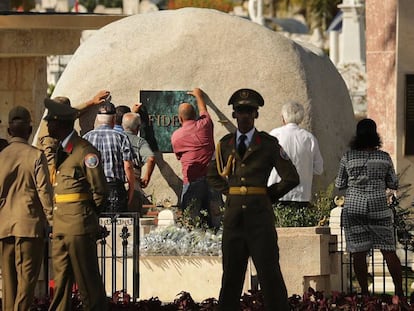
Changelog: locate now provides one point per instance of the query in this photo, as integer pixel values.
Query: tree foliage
(25, 5)
(221, 5)
(318, 13)
(316, 214)
(90, 5)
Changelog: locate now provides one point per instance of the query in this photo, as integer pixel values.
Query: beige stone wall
(305, 260)
(38, 42)
(22, 82)
(25, 41)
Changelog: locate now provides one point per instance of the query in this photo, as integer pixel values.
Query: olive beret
(59, 108)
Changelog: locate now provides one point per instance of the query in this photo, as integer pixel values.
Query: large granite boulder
(187, 48)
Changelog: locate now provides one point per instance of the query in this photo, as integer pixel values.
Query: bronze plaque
(159, 114)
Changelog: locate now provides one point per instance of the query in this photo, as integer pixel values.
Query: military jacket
(26, 195)
(253, 170)
(78, 172)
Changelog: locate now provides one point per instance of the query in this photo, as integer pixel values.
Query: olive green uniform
(25, 203)
(49, 146)
(249, 228)
(80, 189)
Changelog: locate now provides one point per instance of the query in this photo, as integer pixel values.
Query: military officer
(79, 194)
(25, 203)
(240, 170)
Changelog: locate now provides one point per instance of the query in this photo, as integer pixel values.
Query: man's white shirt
(303, 149)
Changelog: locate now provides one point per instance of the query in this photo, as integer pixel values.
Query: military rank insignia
(91, 160)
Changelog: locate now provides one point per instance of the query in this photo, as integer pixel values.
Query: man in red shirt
(193, 144)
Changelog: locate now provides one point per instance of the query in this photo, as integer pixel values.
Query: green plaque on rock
(159, 114)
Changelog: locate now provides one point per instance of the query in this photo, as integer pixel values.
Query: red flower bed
(252, 301)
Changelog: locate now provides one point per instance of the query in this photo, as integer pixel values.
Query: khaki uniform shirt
(26, 195)
(78, 172)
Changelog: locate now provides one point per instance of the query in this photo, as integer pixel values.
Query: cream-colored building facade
(25, 42)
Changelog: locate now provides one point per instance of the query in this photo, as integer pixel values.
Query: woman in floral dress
(366, 172)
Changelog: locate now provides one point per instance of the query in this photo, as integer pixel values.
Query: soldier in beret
(80, 194)
(240, 170)
(49, 144)
(26, 204)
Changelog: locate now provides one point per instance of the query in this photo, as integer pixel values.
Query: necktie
(241, 149)
(61, 155)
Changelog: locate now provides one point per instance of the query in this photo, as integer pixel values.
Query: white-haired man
(303, 149)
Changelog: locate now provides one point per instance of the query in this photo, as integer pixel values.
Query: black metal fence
(379, 277)
(118, 250)
(118, 253)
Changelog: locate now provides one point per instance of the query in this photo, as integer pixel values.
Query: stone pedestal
(307, 258)
(335, 225)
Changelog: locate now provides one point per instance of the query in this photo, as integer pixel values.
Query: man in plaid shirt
(117, 156)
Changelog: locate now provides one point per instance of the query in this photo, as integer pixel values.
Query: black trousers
(117, 197)
(250, 231)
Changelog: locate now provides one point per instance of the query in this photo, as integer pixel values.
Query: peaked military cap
(19, 113)
(246, 97)
(59, 108)
(106, 108)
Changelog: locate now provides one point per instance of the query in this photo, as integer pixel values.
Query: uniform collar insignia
(69, 147)
(258, 139)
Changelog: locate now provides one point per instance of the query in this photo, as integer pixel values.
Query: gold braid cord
(223, 171)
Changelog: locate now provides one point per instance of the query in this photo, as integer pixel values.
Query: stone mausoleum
(187, 48)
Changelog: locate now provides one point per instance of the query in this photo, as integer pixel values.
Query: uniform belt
(247, 190)
(71, 197)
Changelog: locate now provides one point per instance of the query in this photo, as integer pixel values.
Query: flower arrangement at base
(252, 301)
(180, 241)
